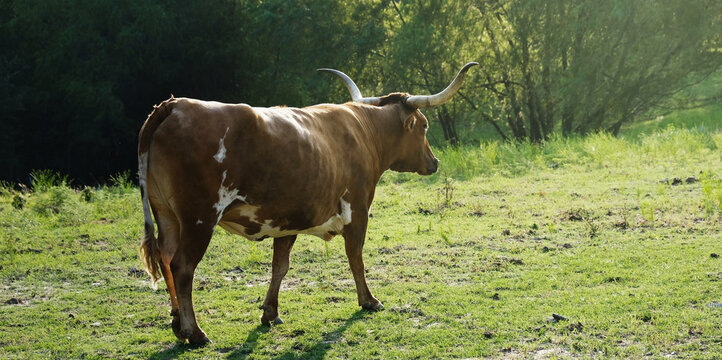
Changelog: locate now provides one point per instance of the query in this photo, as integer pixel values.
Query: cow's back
(288, 167)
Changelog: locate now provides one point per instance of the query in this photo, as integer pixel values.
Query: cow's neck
(387, 130)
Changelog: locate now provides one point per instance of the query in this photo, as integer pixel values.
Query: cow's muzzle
(433, 167)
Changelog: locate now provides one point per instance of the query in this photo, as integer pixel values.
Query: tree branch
(398, 11)
(487, 118)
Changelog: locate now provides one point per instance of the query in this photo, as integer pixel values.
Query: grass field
(470, 263)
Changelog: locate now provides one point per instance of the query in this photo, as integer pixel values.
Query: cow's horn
(424, 101)
(352, 88)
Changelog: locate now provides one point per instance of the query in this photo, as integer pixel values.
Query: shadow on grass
(241, 353)
(251, 342)
(173, 352)
(319, 350)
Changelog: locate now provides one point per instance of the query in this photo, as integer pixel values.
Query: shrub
(43, 180)
(712, 194)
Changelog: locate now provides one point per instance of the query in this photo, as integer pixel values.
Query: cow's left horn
(352, 88)
(424, 101)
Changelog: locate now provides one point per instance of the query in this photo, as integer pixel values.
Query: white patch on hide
(221, 154)
(243, 210)
(225, 197)
(199, 222)
(334, 224)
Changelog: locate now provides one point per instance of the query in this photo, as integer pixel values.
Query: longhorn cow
(271, 172)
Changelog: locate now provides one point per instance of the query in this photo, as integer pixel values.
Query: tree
(426, 48)
(584, 66)
(77, 81)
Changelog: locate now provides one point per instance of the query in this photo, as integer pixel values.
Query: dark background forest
(78, 78)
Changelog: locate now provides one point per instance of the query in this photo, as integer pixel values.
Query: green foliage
(59, 203)
(704, 120)
(77, 81)
(595, 150)
(712, 194)
(586, 66)
(82, 78)
(44, 180)
(49, 201)
(121, 183)
(447, 190)
(87, 194)
(552, 66)
(18, 201)
(445, 237)
(647, 208)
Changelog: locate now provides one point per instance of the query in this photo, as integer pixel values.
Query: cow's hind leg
(174, 312)
(168, 236)
(194, 241)
(281, 251)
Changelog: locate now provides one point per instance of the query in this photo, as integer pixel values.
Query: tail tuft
(150, 255)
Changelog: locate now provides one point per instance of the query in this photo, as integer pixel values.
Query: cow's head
(413, 150)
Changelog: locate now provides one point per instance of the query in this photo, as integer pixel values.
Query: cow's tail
(149, 249)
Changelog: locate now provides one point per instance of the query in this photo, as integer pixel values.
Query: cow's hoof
(276, 321)
(373, 307)
(200, 341)
(175, 325)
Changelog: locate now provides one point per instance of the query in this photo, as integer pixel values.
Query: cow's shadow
(173, 352)
(317, 351)
(241, 353)
(251, 342)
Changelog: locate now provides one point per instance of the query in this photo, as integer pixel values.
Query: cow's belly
(242, 220)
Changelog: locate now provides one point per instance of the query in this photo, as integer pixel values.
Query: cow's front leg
(279, 268)
(355, 235)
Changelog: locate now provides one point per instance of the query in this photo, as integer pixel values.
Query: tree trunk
(448, 124)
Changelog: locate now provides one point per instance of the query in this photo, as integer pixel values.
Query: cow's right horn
(424, 101)
(352, 88)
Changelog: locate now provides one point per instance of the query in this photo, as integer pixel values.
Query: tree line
(78, 78)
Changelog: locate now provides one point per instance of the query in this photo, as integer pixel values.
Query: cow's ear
(410, 122)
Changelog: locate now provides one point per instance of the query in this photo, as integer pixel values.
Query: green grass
(706, 119)
(668, 146)
(469, 263)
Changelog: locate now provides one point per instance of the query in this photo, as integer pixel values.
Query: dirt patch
(541, 354)
(424, 211)
(134, 272)
(385, 251)
(14, 301)
(575, 215)
(575, 327)
(334, 299)
(30, 251)
(556, 318)
(407, 309)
